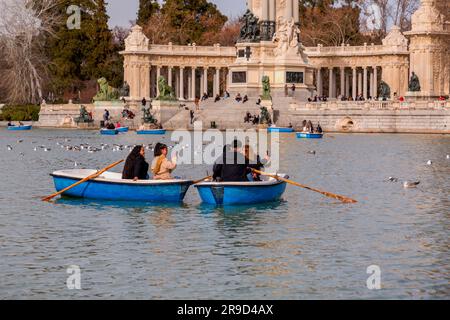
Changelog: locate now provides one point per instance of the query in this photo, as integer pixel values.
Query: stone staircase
(226, 114)
(229, 114)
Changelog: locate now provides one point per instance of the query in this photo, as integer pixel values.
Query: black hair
(158, 149)
(134, 154)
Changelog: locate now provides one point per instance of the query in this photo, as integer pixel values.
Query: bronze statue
(266, 88)
(414, 83)
(125, 90)
(250, 28)
(265, 116)
(384, 90)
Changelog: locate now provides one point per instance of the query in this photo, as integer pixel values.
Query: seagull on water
(392, 179)
(9, 147)
(429, 162)
(410, 184)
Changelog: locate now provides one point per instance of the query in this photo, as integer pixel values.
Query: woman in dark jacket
(136, 168)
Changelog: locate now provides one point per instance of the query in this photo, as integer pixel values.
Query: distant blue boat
(280, 129)
(109, 132)
(307, 135)
(122, 129)
(19, 128)
(156, 131)
(110, 186)
(242, 193)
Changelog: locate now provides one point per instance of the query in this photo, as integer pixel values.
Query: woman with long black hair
(136, 168)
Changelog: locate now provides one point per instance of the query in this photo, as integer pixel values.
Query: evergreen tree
(146, 10)
(82, 54)
(192, 19)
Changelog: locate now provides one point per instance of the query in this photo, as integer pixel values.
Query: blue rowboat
(156, 131)
(242, 193)
(109, 132)
(307, 135)
(122, 129)
(110, 186)
(19, 128)
(280, 129)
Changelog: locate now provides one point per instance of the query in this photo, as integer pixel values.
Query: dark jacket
(233, 168)
(137, 167)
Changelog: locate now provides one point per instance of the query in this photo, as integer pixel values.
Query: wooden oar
(201, 180)
(328, 194)
(93, 176)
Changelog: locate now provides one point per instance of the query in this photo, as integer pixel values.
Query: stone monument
(270, 46)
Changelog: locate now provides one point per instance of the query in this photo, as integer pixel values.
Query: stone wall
(372, 117)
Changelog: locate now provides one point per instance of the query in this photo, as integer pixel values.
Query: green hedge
(20, 113)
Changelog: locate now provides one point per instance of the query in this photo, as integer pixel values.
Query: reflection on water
(305, 246)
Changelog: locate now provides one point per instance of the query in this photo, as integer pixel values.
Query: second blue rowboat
(19, 128)
(307, 135)
(280, 129)
(122, 129)
(110, 186)
(109, 132)
(156, 131)
(242, 193)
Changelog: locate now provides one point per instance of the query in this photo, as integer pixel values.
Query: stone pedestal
(419, 96)
(115, 109)
(282, 59)
(61, 115)
(165, 110)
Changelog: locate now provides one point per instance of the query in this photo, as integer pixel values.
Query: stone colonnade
(189, 82)
(349, 82)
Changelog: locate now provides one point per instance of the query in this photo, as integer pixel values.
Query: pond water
(306, 246)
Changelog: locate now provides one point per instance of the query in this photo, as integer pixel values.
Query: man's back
(234, 167)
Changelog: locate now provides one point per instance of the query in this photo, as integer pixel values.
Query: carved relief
(136, 41)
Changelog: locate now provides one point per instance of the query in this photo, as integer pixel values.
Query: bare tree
(24, 24)
(380, 15)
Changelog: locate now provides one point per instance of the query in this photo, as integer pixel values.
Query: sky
(122, 11)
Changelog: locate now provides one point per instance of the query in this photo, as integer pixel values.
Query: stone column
(319, 82)
(288, 13)
(371, 84)
(296, 9)
(217, 82)
(158, 74)
(205, 80)
(177, 84)
(272, 10)
(360, 83)
(354, 88)
(193, 91)
(365, 83)
(181, 83)
(265, 10)
(375, 82)
(330, 84)
(169, 76)
(342, 92)
(347, 85)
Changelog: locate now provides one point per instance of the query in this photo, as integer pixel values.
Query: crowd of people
(234, 165)
(249, 118)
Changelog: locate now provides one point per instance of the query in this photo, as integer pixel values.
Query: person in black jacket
(234, 167)
(136, 168)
